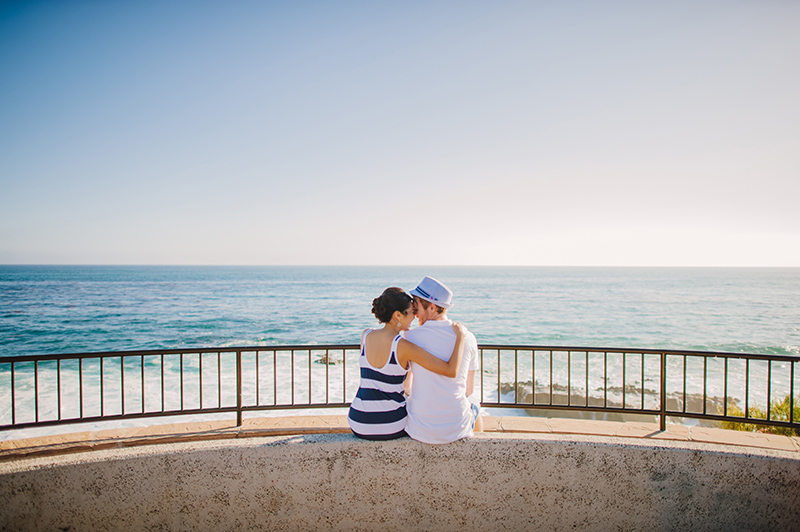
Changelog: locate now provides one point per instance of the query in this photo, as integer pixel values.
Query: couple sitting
(433, 364)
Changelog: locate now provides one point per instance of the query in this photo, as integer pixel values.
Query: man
(439, 408)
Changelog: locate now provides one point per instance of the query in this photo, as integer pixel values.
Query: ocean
(72, 309)
(67, 309)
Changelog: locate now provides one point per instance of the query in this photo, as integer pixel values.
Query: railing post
(663, 415)
(238, 388)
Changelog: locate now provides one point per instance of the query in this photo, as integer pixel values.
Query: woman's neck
(392, 328)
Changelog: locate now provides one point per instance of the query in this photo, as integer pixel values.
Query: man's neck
(438, 317)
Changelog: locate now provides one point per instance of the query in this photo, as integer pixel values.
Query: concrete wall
(337, 482)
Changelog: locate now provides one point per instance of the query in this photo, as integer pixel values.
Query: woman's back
(378, 347)
(379, 409)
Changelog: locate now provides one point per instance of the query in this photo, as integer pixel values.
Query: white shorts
(475, 410)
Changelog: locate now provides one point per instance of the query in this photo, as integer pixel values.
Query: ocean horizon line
(193, 265)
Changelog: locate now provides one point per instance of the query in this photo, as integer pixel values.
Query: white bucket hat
(432, 290)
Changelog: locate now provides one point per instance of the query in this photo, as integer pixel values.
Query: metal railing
(45, 390)
(61, 389)
(722, 387)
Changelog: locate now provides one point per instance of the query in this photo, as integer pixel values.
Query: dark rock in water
(327, 359)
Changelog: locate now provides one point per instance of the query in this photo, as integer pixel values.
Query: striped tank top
(378, 412)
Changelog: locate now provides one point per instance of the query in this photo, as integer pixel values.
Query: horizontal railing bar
(117, 417)
(304, 406)
(349, 347)
(734, 419)
(620, 350)
(185, 351)
(522, 406)
(168, 414)
(581, 408)
(710, 417)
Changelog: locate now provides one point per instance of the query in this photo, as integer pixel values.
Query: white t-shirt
(438, 409)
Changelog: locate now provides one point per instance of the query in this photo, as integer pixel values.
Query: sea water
(62, 309)
(68, 309)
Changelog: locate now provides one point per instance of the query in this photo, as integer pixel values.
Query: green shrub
(779, 411)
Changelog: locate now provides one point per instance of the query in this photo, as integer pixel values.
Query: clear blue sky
(542, 133)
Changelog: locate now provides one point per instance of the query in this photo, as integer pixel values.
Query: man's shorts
(475, 410)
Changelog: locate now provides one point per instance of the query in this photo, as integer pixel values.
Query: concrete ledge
(171, 433)
(337, 424)
(495, 481)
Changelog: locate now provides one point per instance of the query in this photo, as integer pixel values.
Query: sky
(609, 133)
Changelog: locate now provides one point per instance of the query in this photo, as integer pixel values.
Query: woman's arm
(408, 352)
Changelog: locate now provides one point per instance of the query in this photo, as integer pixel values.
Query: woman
(378, 411)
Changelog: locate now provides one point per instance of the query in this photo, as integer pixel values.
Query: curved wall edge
(338, 482)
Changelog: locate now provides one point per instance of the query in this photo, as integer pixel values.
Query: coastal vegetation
(778, 411)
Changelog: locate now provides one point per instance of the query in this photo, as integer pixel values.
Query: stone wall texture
(338, 482)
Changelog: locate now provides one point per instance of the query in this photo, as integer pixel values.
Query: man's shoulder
(471, 339)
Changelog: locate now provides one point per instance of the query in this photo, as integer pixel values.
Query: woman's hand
(459, 329)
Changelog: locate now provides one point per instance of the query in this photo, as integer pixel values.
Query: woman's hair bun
(388, 302)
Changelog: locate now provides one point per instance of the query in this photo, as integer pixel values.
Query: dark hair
(390, 300)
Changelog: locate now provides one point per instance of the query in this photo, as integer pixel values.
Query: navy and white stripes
(379, 408)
